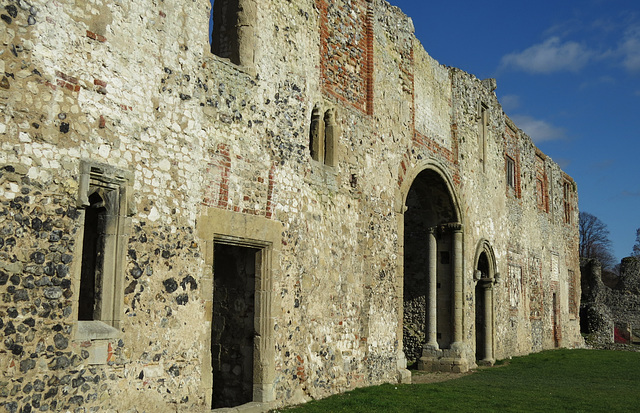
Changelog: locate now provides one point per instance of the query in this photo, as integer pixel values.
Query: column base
(486, 362)
(452, 360)
(403, 375)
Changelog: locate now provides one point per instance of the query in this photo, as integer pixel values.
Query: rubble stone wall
(203, 152)
(604, 308)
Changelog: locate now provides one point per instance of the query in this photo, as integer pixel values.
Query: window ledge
(95, 330)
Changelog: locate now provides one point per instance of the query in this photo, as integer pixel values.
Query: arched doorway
(485, 277)
(432, 282)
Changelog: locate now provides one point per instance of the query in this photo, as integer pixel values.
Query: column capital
(453, 226)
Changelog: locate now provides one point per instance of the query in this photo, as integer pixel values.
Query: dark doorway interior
(233, 331)
(556, 327)
(481, 323)
(429, 205)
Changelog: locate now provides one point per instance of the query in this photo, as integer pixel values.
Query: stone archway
(485, 277)
(432, 273)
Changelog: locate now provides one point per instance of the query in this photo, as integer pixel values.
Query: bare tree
(636, 246)
(594, 240)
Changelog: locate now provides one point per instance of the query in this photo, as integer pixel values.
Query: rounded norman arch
(485, 275)
(485, 247)
(430, 269)
(410, 177)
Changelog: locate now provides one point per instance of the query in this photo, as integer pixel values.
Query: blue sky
(568, 74)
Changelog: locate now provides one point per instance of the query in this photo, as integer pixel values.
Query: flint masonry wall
(603, 308)
(205, 152)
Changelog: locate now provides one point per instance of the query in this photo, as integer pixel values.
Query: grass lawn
(551, 381)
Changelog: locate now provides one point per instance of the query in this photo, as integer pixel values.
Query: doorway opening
(481, 330)
(486, 277)
(483, 309)
(556, 326)
(428, 266)
(233, 331)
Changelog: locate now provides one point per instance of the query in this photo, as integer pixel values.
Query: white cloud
(630, 49)
(538, 130)
(551, 56)
(602, 80)
(604, 164)
(563, 162)
(510, 102)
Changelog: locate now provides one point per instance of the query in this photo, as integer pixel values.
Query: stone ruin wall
(604, 309)
(220, 151)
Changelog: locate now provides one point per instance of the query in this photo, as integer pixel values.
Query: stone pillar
(488, 322)
(457, 283)
(432, 276)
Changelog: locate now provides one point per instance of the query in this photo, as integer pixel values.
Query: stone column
(457, 282)
(432, 305)
(488, 321)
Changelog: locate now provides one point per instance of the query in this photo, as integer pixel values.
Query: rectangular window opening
(103, 198)
(231, 32)
(542, 190)
(511, 173)
(567, 191)
(483, 132)
(92, 267)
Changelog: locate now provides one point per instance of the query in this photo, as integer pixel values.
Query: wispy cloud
(510, 102)
(630, 49)
(602, 80)
(553, 55)
(563, 162)
(538, 130)
(631, 194)
(604, 164)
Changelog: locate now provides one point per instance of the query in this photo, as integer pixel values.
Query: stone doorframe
(225, 227)
(457, 357)
(486, 281)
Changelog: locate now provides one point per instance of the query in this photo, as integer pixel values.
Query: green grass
(551, 381)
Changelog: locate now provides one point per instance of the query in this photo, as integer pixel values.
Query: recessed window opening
(329, 136)
(511, 173)
(92, 259)
(224, 33)
(316, 135)
(567, 190)
(542, 190)
(105, 198)
(322, 136)
(231, 31)
(483, 116)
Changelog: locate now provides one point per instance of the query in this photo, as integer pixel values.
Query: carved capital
(453, 227)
